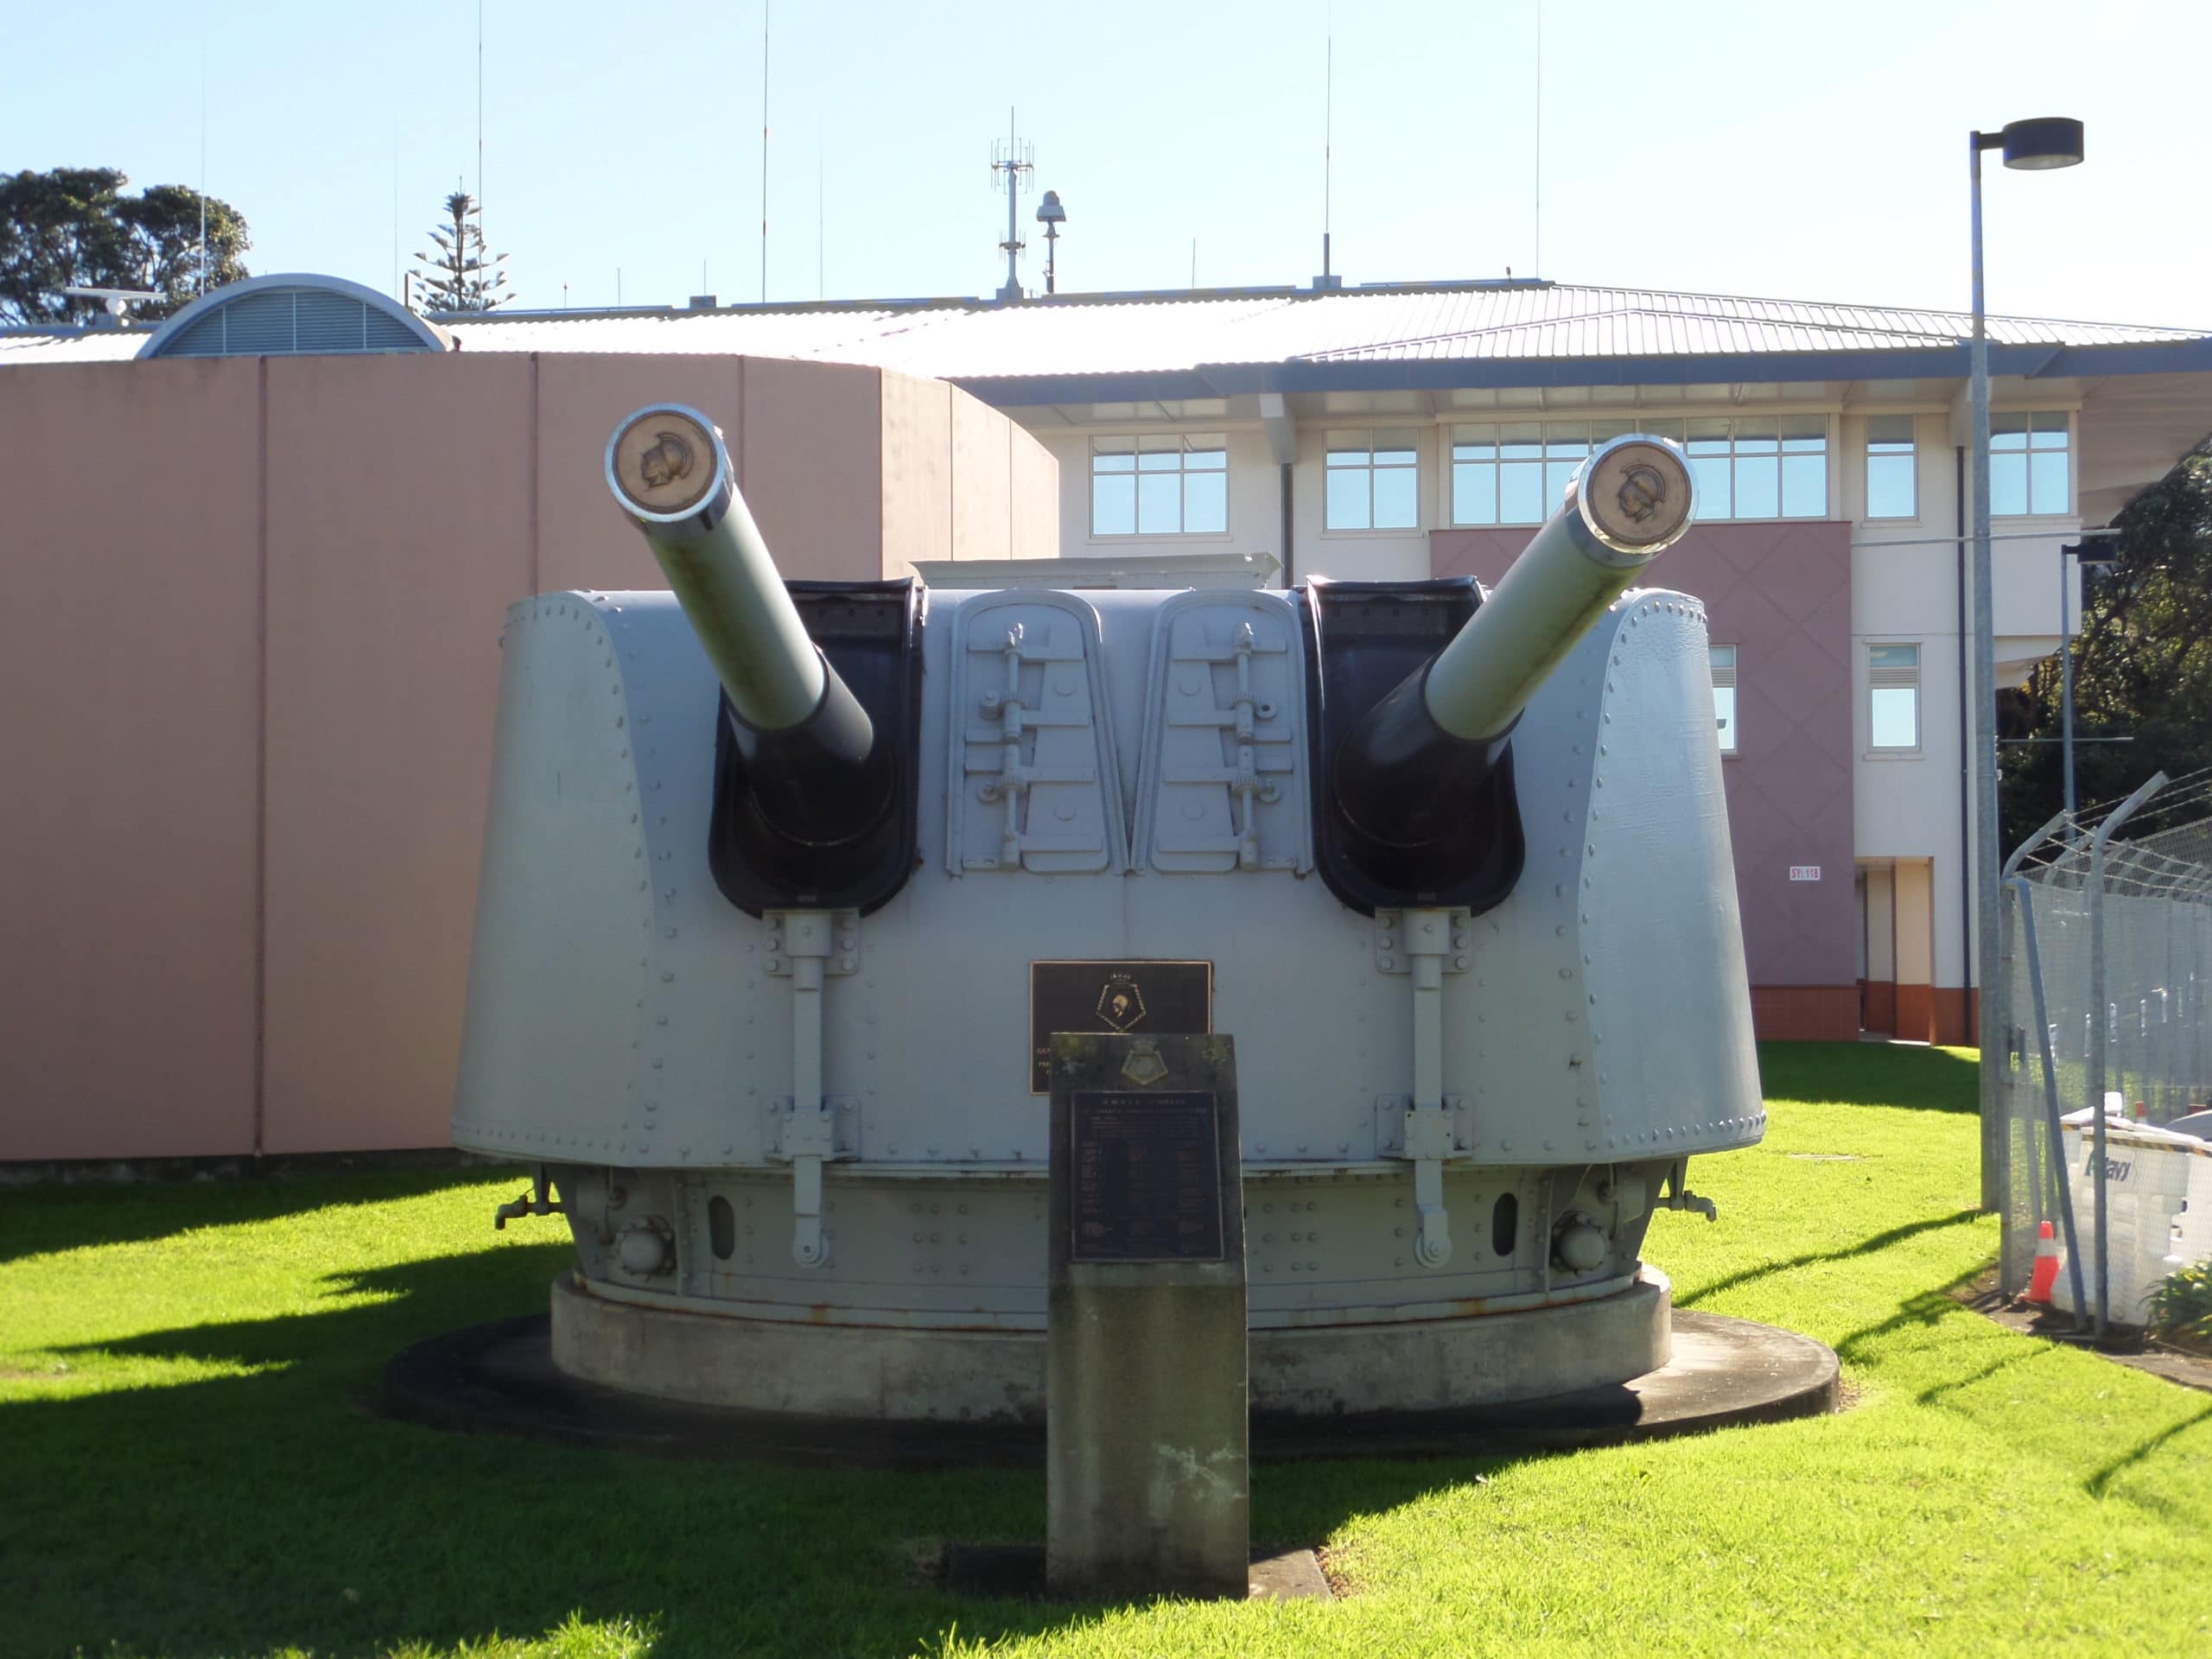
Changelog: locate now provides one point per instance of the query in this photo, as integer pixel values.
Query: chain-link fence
(2108, 1012)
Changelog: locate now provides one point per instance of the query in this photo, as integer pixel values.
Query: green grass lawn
(187, 1468)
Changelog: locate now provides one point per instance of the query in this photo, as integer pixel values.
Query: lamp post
(1051, 216)
(2034, 145)
(2071, 557)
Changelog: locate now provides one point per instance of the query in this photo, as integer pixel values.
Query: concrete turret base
(501, 1378)
(905, 1374)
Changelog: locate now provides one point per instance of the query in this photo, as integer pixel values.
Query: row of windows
(1893, 697)
(1515, 472)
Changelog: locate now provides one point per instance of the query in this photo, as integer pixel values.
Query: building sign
(1804, 872)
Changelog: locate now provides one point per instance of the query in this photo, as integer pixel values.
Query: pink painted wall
(1781, 595)
(129, 670)
(251, 638)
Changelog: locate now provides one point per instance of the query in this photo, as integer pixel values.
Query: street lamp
(1051, 216)
(2072, 556)
(2033, 145)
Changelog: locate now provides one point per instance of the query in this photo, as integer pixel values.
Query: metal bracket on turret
(809, 945)
(825, 1133)
(834, 936)
(1394, 942)
(1429, 944)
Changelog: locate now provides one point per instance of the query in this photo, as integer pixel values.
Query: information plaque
(1147, 1176)
(1144, 998)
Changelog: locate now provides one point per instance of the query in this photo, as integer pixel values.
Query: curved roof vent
(290, 316)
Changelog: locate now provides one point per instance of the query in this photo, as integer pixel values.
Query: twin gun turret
(784, 885)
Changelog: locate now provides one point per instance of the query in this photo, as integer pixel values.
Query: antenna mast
(1015, 160)
(203, 171)
(1536, 268)
(1328, 149)
(764, 152)
(479, 128)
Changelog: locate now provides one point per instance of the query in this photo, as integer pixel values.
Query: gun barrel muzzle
(1626, 505)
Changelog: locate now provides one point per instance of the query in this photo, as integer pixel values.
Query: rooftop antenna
(479, 127)
(1052, 215)
(1015, 160)
(1537, 265)
(1328, 277)
(764, 152)
(203, 172)
(117, 301)
(821, 222)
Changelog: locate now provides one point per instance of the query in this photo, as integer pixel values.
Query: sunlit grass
(190, 1472)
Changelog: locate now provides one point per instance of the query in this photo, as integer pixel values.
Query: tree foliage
(74, 227)
(2143, 660)
(461, 276)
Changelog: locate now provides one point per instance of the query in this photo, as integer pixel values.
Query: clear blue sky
(1765, 147)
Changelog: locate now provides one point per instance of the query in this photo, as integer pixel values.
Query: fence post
(2054, 1128)
(2100, 1028)
(1996, 1098)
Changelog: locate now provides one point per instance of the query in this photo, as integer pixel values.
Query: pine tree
(460, 275)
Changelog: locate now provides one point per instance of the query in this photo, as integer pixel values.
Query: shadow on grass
(270, 1511)
(1878, 1242)
(2095, 1484)
(1871, 1074)
(44, 1220)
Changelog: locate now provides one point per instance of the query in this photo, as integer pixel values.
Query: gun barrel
(814, 771)
(1627, 504)
(670, 472)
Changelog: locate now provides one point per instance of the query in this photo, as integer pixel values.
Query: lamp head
(2042, 143)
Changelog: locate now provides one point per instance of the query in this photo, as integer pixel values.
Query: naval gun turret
(787, 886)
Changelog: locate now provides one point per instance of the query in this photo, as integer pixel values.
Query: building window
(1724, 695)
(1168, 485)
(1516, 474)
(1892, 474)
(2028, 464)
(1760, 468)
(1893, 696)
(1373, 481)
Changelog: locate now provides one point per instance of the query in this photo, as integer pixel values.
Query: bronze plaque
(1144, 998)
(1146, 1182)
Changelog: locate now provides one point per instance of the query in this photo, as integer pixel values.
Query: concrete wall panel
(983, 481)
(130, 665)
(812, 454)
(1036, 487)
(398, 511)
(916, 487)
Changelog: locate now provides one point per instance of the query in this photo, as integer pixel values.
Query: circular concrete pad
(500, 1379)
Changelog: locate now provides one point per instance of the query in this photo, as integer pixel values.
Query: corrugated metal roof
(976, 339)
(102, 345)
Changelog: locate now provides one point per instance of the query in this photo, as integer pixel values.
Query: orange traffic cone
(2046, 1269)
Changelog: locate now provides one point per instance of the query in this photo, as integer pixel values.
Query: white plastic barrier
(2158, 1209)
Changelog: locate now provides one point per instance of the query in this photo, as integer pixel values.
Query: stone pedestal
(1147, 1403)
